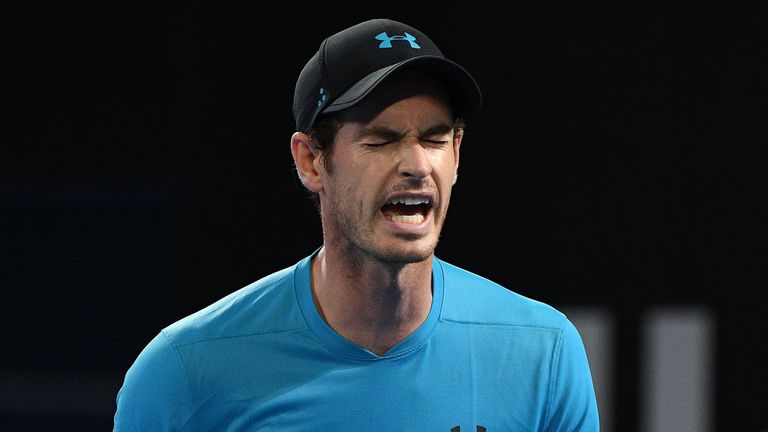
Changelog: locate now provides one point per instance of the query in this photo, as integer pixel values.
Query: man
(371, 332)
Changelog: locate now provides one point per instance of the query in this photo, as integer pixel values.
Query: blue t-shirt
(263, 359)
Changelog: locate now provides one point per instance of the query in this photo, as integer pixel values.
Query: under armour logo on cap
(386, 40)
(350, 64)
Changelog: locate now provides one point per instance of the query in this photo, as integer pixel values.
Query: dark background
(145, 172)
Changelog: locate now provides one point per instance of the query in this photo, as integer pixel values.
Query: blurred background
(617, 172)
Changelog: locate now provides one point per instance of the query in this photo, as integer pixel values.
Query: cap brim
(463, 88)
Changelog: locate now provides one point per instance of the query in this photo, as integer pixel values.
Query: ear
(457, 137)
(304, 157)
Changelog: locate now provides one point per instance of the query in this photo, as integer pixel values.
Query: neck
(369, 302)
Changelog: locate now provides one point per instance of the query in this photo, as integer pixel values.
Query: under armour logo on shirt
(386, 40)
(458, 429)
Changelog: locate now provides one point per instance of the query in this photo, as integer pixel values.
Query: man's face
(393, 167)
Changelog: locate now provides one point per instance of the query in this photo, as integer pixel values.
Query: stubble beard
(359, 242)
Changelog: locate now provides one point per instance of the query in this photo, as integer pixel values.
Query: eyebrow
(393, 135)
(384, 133)
(439, 129)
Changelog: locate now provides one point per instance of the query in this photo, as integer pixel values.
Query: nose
(414, 161)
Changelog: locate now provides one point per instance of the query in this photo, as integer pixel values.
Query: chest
(461, 380)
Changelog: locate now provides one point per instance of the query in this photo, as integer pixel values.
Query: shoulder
(157, 392)
(268, 305)
(536, 331)
(471, 298)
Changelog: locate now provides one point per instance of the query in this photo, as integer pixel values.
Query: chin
(396, 258)
(405, 255)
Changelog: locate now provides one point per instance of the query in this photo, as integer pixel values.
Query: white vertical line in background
(677, 369)
(597, 326)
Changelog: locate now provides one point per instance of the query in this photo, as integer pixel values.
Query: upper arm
(572, 405)
(155, 395)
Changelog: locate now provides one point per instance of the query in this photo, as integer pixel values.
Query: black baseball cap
(351, 63)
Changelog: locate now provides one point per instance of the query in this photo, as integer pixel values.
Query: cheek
(447, 170)
(352, 191)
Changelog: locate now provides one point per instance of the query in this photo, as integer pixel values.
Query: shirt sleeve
(572, 404)
(155, 395)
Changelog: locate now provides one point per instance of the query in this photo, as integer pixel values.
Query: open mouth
(410, 210)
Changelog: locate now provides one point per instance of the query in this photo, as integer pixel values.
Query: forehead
(404, 84)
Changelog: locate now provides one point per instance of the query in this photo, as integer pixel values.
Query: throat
(373, 309)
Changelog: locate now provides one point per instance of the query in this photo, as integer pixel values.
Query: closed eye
(375, 144)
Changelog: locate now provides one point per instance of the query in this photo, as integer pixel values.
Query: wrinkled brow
(394, 135)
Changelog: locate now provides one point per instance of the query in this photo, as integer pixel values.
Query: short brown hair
(323, 134)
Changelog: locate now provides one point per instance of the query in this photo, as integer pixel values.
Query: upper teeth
(409, 201)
